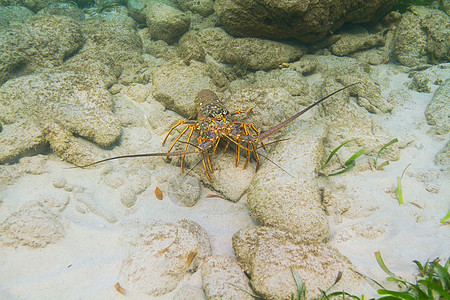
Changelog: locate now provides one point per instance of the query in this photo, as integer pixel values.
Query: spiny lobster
(213, 124)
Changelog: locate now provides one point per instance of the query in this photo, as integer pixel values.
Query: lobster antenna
(191, 169)
(137, 155)
(274, 129)
(277, 165)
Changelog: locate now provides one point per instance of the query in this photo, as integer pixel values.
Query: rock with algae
(438, 110)
(443, 156)
(251, 53)
(165, 22)
(221, 275)
(162, 255)
(52, 107)
(307, 21)
(291, 202)
(422, 36)
(267, 255)
(38, 44)
(110, 47)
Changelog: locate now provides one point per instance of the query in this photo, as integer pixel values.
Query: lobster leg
(210, 166)
(185, 147)
(238, 153)
(242, 111)
(188, 123)
(248, 146)
(257, 133)
(206, 161)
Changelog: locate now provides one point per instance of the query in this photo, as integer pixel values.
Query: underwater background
(350, 193)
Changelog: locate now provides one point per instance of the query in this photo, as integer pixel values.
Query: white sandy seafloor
(86, 262)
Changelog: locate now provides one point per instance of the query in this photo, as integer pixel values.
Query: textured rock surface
(290, 80)
(422, 36)
(190, 48)
(33, 5)
(271, 105)
(230, 180)
(50, 40)
(109, 49)
(268, 255)
(189, 292)
(294, 206)
(165, 22)
(162, 255)
(176, 86)
(307, 21)
(222, 276)
(214, 41)
(34, 227)
(75, 102)
(185, 189)
(251, 53)
(201, 7)
(438, 110)
(20, 139)
(39, 43)
(356, 39)
(261, 54)
(443, 156)
(348, 71)
(14, 15)
(67, 9)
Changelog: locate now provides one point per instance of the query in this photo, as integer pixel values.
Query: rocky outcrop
(270, 257)
(307, 21)
(422, 36)
(438, 110)
(162, 255)
(54, 106)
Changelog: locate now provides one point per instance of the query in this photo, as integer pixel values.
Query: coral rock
(76, 102)
(304, 20)
(163, 255)
(224, 279)
(438, 110)
(267, 255)
(292, 202)
(165, 22)
(423, 35)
